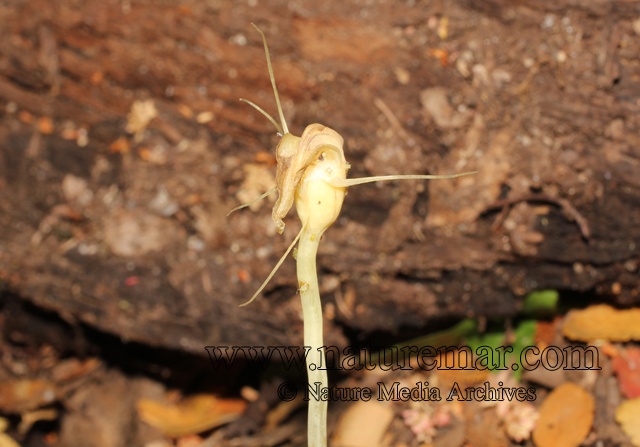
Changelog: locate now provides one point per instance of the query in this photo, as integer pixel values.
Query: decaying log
(127, 230)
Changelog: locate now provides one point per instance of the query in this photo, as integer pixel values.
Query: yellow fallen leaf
(566, 416)
(190, 416)
(602, 322)
(21, 395)
(628, 416)
(459, 375)
(363, 425)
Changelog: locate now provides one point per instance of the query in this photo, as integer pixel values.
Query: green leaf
(541, 302)
(524, 336)
(492, 340)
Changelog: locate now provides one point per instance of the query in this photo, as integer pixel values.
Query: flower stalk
(313, 338)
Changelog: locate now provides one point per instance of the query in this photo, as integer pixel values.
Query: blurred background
(123, 145)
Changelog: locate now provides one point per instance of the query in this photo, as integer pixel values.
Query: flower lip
(318, 202)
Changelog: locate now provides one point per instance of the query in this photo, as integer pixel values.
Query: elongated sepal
(346, 182)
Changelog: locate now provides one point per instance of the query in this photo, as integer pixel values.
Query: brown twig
(533, 71)
(395, 123)
(501, 217)
(341, 304)
(566, 206)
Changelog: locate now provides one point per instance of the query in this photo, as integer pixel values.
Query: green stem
(312, 314)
